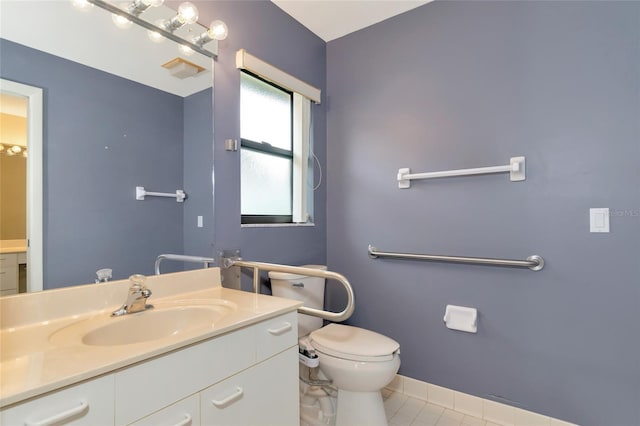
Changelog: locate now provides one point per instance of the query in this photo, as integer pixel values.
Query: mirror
(113, 118)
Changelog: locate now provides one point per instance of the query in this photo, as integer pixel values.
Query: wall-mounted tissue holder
(461, 318)
(179, 195)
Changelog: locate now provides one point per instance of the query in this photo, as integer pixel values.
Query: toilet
(358, 362)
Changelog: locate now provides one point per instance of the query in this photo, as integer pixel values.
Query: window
(276, 143)
(266, 128)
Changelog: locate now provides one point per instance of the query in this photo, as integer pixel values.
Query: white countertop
(31, 363)
(13, 246)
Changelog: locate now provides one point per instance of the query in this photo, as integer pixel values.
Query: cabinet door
(183, 413)
(89, 403)
(276, 335)
(152, 385)
(264, 395)
(8, 274)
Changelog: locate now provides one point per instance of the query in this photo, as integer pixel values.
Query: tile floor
(403, 410)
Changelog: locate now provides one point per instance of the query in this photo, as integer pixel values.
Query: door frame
(35, 147)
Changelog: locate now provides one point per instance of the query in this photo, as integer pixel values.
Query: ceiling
(332, 19)
(89, 37)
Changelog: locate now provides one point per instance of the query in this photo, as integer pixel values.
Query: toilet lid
(348, 342)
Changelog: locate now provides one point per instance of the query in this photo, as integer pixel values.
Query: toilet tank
(309, 290)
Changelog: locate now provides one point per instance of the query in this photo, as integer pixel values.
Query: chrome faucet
(137, 298)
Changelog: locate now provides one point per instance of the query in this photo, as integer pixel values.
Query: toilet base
(360, 408)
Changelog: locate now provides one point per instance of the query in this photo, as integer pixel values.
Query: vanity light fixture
(154, 35)
(136, 7)
(161, 29)
(13, 150)
(121, 22)
(187, 14)
(218, 30)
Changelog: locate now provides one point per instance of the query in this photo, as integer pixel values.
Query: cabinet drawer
(147, 387)
(89, 403)
(265, 394)
(182, 413)
(9, 277)
(276, 335)
(8, 259)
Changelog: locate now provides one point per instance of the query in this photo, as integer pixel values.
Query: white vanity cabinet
(8, 274)
(185, 412)
(260, 395)
(245, 377)
(89, 403)
(147, 387)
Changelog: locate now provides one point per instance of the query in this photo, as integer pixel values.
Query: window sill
(276, 225)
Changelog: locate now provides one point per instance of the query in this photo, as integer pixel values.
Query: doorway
(21, 237)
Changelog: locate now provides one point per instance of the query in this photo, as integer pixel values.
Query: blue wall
(448, 85)
(469, 84)
(109, 220)
(198, 174)
(265, 31)
(103, 136)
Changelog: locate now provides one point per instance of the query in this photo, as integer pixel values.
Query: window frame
(304, 97)
(268, 149)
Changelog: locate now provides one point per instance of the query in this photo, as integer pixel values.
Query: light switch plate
(599, 220)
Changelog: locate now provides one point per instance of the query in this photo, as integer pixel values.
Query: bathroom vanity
(13, 253)
(206, 355)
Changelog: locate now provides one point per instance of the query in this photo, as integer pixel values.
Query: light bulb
(218, 30)
(1, 147)
(187, 13)
(155, 36)
(186, 50)
(82, 4)
(24, 153)
(121, 22)
(16, 149)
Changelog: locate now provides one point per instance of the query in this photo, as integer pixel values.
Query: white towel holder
(515, 168)
(179, 195)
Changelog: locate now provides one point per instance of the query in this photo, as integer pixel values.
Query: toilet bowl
(358, 362)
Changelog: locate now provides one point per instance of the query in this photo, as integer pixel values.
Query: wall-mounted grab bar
(535, 262)
(179, 195)
(206, 261)
(260, 266)
(515, 168)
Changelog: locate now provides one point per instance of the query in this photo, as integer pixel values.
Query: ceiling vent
(181, 68)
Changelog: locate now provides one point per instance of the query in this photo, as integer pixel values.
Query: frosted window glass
(266, 184)
(265, 112)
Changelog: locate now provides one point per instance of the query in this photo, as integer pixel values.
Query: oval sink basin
(152, 325)
(160, 322)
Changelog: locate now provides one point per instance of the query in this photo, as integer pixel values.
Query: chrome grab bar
(535, 262)
(182, 258)
(274, 267)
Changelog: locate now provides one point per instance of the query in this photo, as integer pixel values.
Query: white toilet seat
(354, 343)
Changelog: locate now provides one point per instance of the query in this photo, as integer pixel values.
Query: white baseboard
(490, 411)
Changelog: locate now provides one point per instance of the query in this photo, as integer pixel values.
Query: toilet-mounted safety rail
(274, 267)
